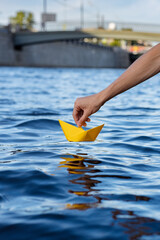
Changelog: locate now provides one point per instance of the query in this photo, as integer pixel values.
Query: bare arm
(143, 68)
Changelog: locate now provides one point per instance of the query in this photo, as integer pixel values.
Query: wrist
(102, 97)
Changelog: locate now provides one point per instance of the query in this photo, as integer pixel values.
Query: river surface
(54, 189)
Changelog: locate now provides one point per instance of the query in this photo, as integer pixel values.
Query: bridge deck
(28, 38)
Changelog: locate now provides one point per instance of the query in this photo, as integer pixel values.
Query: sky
(140, 11)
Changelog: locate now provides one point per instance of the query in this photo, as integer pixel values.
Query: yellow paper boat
(75, 134)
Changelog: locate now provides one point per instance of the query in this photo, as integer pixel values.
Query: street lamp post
(82, 13)
(65, 15)
(44, 12)
(44, 6)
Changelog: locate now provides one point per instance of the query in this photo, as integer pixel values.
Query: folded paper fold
(75, 134)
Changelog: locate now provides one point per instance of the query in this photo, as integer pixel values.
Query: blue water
(54, 189)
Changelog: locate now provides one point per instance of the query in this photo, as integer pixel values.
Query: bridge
(21, 39)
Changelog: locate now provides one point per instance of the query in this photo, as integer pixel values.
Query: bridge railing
(73, 25)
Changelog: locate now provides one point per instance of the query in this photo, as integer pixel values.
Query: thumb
(83, 119)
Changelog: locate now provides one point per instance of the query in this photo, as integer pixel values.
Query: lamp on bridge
(46, 17)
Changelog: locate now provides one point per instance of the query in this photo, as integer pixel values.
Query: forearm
(145, 67)
(142, 69)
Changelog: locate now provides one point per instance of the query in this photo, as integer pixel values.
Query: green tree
(24, 20)
(29, 21)
(115, 43)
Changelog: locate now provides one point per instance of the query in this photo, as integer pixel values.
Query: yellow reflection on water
(81, 206)
(85, 171)
(85, 167)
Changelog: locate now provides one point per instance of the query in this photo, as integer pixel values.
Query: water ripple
(51, 188)
(39, 124)
(37, 112)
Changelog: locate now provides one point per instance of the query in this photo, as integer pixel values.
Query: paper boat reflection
(75, 134)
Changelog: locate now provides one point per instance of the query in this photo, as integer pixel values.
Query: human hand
(84, 107)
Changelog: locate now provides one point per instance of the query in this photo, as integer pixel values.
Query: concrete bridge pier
(70, 54)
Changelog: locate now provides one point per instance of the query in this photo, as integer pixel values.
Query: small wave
(7, 121)
(133, 108)
(143, 139)
(40, 124)
(136, 148)
(6, 101)
(126, 197)
(39, 154)
(145, 167)
(112, 176)
(37, 112)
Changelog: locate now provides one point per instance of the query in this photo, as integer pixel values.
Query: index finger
(75, 115)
